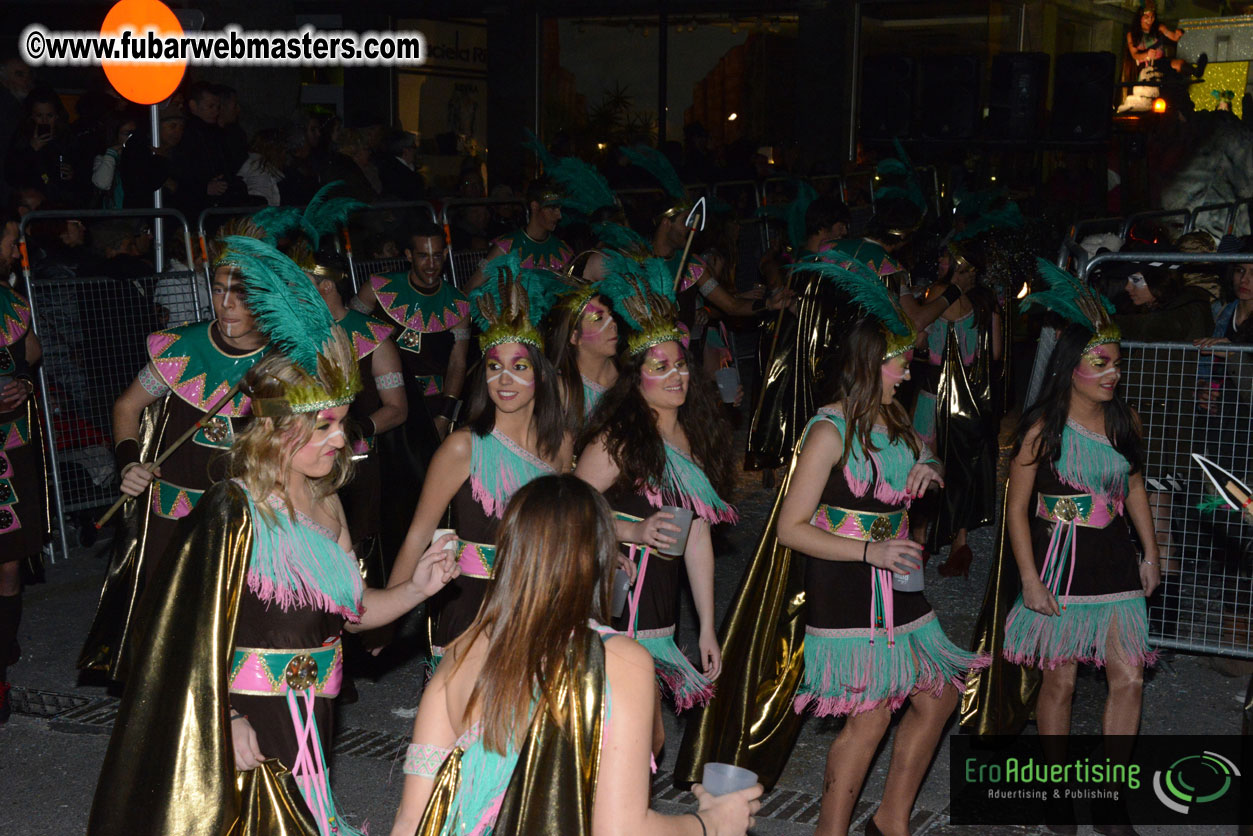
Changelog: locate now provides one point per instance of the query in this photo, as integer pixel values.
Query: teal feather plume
(278, 222)
(900, 167)
(864, 286)
(285, 304)
(793, 214)
(1068, 297)
(532, 143)
(633, 285)
(326, 215)
(656, 164)
(504, 273)
(620, 237)
(584, 189)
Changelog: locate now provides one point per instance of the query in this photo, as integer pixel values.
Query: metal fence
(371, 231)
(1189, 401)
(468, 221)
(93, 327)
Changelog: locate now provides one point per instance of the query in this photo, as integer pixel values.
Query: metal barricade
(223, 214)
(1155, 215)
(455, 217)
(1206, 602)
(1225, 223)
(365, 233)
(93, 330)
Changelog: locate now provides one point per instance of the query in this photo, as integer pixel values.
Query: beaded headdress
(642, 292)
(1073, 300)
(510, 303)
(866, 288)
(292, 314)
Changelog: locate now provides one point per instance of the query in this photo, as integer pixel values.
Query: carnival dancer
(774, 615)
(536, 244)
(226, 722)
(582, 345)
(538, 722)
(514, 432)
(191, 368)
(23, 493)
(955, 413)
(433, 318)
(1076, 471)
(659, 439)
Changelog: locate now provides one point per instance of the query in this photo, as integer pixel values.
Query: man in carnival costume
(536, 244)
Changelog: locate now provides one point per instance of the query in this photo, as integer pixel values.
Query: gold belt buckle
(881, 529)
(1066, 509)
(301, 673)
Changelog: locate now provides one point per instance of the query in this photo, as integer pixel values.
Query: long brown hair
(860, 389)
(563, 322)
(555, 554)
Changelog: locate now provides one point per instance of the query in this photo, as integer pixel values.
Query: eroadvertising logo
(1150, 780)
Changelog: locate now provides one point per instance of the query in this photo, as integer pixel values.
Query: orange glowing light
(1159, 105)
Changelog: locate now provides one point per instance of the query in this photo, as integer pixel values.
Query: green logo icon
(1194, 779)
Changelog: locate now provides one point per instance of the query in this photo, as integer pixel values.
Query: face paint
(511, 376)
(1096, 365)
(593, 327)
(519, 356)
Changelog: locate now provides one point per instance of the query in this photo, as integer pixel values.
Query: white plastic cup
(911, 582)
(440, 532)
(621, 586)
(724, 778)
(728, 380)
(683, 520)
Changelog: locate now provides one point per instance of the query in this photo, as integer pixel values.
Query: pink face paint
(652, 375)
(1086, 372)
(892, 374)
(328, 415)
(519, 354)
(591, 329)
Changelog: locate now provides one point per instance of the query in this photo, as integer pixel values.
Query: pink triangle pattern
(182, 506)
(12, 328)
(159, 341)
(13, 439)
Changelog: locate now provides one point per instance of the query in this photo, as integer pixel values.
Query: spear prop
(182, 439)
(1231, 490)
(695, 217)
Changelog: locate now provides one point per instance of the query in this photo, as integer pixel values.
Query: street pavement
(52, 748)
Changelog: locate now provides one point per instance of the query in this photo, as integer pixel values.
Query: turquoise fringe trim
(891, 462)
(498, 468)
(846, 674)
(1080, 633)
(1092, 466)
(686, 684)
(924, 417)
(687, 486)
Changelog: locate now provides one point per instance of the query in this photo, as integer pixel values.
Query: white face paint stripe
(331, 437)
(604, 323)
(1097, 375)
(512, 376)
(673, 370)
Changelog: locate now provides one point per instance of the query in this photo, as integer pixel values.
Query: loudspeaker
(949, 96)
(887, 96)
(1083, 96)
(1016, 94)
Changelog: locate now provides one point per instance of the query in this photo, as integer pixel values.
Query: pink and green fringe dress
(866, 644)
(1083, 553)
(652, 612)
(499, 467)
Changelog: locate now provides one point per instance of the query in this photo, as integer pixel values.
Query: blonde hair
(261, 455)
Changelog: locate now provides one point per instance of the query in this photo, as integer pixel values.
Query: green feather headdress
(1074, 301)
(907, 185)
(510, 303)
(865, 287)
(642, 292)
(984, 210)
(793, 214)
(288, 308)
(656, 164)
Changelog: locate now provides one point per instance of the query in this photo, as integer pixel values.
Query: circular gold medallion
(880, 529)
(1066, 509)
(217, 430)
(411, 339)
(301, 673)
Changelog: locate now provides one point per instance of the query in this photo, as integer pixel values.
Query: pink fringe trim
(492, 506)
(271, 593)
(703, 510)
(680, 689)
(928, 682)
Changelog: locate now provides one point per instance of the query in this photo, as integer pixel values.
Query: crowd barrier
(464, 260)
(92, 326)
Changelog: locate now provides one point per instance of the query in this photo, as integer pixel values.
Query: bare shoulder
(457, 444)
(628, 665)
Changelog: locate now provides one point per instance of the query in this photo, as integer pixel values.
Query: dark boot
(1110, 818)
(1059, 816)
(10, 617)
(1198, 69)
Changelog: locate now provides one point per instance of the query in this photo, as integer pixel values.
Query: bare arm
(698, 560)
(1138, 55)
(597, 468)
(450, 468)
(127, 410)
(922, 314)
(34, 349)
(365, 296)
(431, 727)
(455, 376)
(998, 338)
(822, 448)
(476, 278)
(395, 407)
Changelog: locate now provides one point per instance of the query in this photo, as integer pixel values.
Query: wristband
(951, 294)
(449, 408)
(865, 547)
(1148, 562)
(126, 453)
(703, 830)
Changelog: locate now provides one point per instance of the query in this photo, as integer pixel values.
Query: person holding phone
(41, 156)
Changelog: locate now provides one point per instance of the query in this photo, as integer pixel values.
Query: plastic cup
(621, 586)
(440, 532)
(682, 519)
(911, 582)
(723, 778)
(728, 380)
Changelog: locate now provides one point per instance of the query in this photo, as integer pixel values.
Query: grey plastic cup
(682, 519)
(912, 582)
(621, 586)
(728, 380)
(723, 778)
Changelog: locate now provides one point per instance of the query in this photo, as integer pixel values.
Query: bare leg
(916, 739)
(1057, 691)
(848, 760)
(959, 539)
(1126, 688)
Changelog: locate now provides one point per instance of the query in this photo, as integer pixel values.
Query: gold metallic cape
(170, 766)
(108, 640)
(796, 377)
(554, 783)
(750, 721)
(998, 699)
(966, 421)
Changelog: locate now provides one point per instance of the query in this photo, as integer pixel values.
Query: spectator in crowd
(1165, 308)
(145, 169)
(57, 248)
(300, 176)
(16, 82)
(1199, 275)
(200, 162)
(398, 168)
(106, 176)
(234, 139)
(262, 171)
(352, 165)
(29, 199)
(41, 151)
